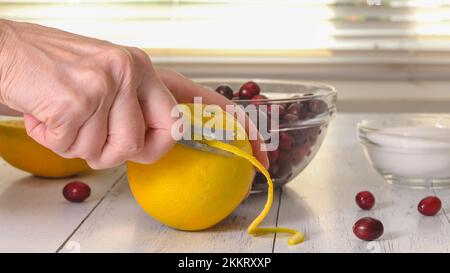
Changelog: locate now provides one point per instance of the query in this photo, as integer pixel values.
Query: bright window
(282, 29)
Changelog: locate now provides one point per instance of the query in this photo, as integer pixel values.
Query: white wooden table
(35, 217)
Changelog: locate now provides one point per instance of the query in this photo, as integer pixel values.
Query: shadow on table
(26, 193)
(247, 211)
(31, 193)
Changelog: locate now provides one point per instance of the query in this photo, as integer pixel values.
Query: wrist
(2, 35)
(2, 45)
(5, 30)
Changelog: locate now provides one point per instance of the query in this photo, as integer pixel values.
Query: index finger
(184, 90)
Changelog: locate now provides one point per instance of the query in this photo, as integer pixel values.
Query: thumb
(156, 103)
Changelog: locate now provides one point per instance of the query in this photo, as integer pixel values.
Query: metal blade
(204, 147)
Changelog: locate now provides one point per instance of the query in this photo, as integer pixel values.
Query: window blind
(339, 31)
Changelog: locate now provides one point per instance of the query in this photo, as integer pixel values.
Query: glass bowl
(305, 109)
(408, 149)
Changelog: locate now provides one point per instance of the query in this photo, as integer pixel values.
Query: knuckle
(148, 159)
(64, 110)
(66, 154)
(74, 104)
(95, 164)
(120, 59)
(100, 163)
(140, 54)
(91, 155)
(126, 149)
(98, 84)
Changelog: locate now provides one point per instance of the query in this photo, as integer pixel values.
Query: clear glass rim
(367, 126)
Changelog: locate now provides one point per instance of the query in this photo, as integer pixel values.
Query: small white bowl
(409, 149)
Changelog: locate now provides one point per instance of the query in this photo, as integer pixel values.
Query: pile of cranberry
(296, 142)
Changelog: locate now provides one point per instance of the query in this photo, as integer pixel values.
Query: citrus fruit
(22, 152)
(190, 189)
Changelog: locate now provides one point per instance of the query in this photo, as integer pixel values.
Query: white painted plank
(35, 217)
(120, 225)
(321, 202)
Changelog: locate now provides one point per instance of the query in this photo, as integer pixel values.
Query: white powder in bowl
(410, 152)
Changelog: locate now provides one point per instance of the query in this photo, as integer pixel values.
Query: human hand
(83, 97)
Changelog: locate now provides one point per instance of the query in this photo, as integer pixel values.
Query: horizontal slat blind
(323, 30)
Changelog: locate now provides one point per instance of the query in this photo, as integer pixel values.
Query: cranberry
(317, 106)
(310, 115)
(368, 229)
(300, 136)
(259, 100)
(429, 206)
(271, 122)
(301, 151)
(259, 97)
(365, 200)
(295, 108)
(76, 191)
(225, 90)
(286, 141)
(304, 112)
(281, 109)
(273, 156)
(248, 90)
(290, 118)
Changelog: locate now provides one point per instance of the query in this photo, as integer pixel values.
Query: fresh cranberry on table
(368, 229)
(429, 206)
(248, 90)
(76, 191)
(225, 90)
(365, 200)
